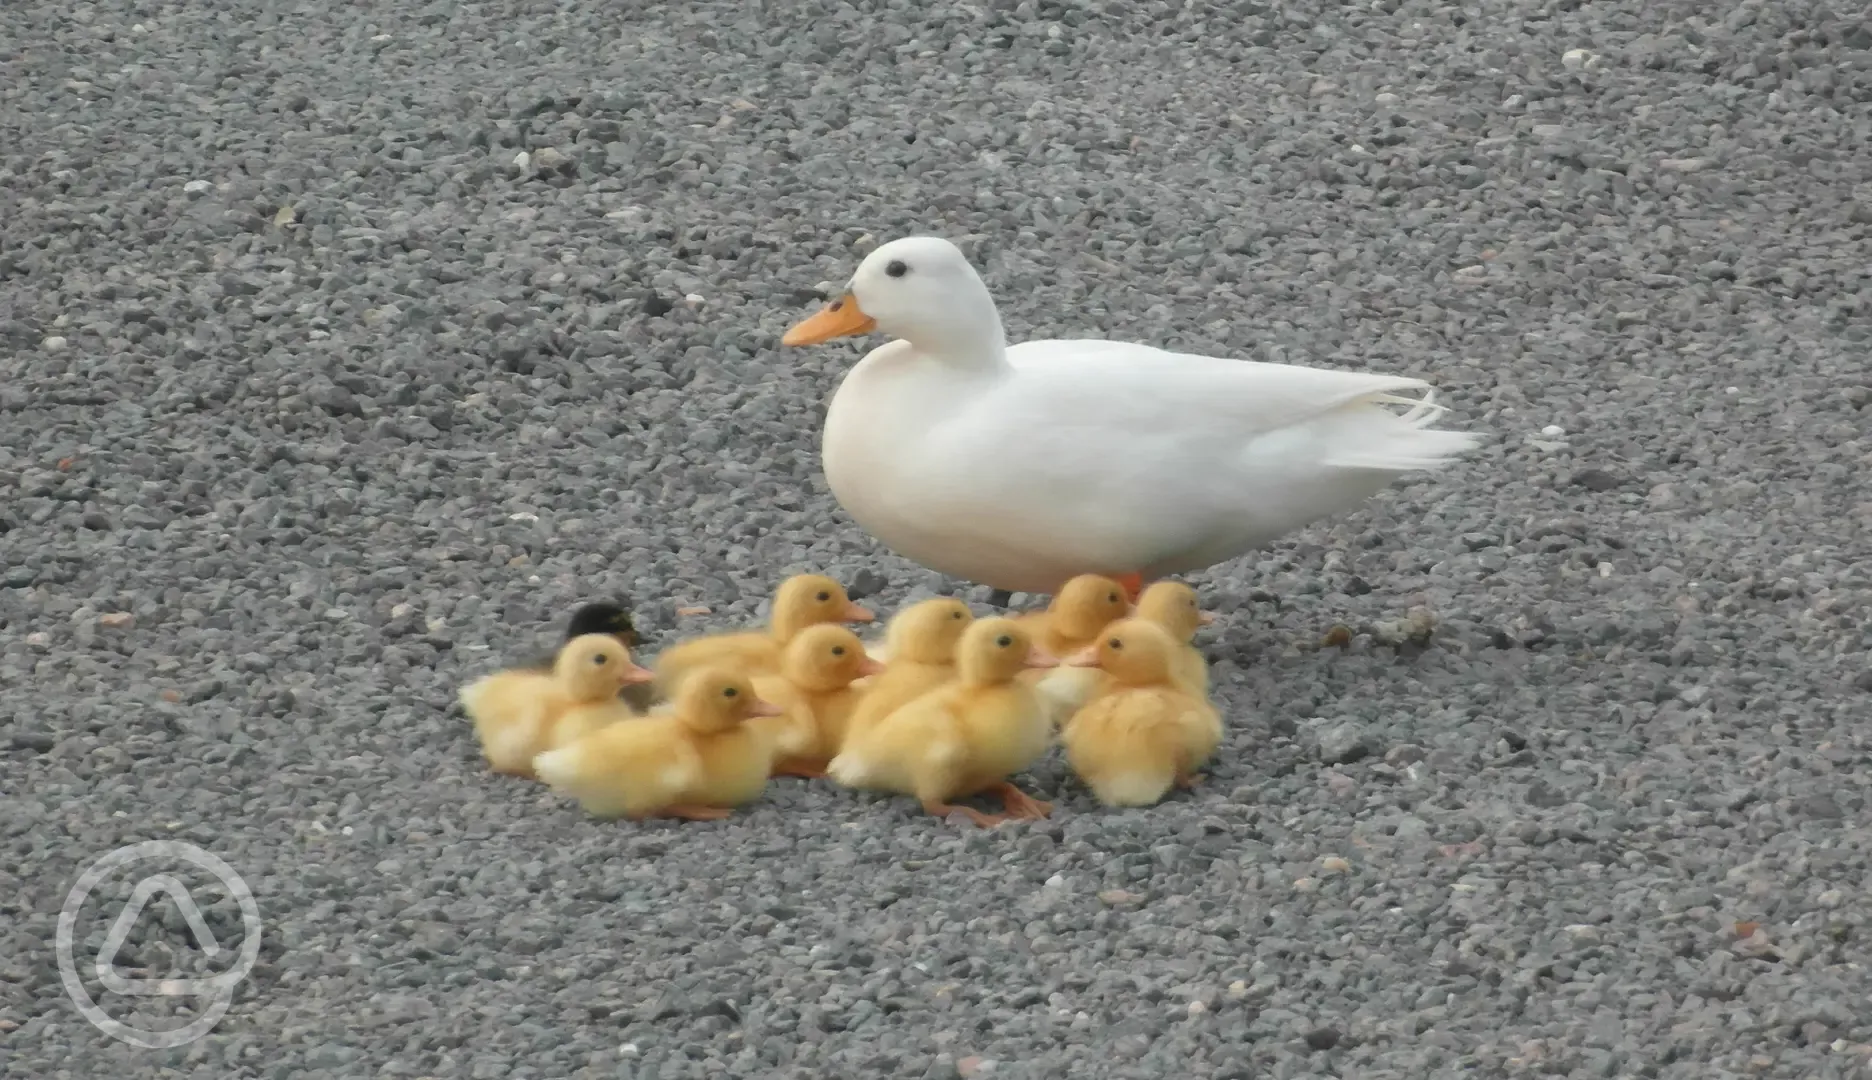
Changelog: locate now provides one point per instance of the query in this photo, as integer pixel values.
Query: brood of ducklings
(1084, 606)
(697, 761)
(1131, 743)
(801, 601)
(921, 643)
(519, 712)
(1173, 606)
(814, 690)
(964, 738)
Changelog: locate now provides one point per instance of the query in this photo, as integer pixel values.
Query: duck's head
(1135, 652)
(805, 600)
(1173, 606)
(1088, 603)
(593, 667)
(995, 650)
(825, 658)
(927, 632)
(714, 700)
(921, 289)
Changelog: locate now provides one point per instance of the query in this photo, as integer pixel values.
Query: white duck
(1019, 467)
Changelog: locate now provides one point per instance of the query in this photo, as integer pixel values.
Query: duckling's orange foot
(1018, 803)
(981, 820)
(697, 813)
(1133, 585)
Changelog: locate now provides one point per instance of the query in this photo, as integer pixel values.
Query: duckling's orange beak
(1086, 657)
(1040, 659)
(840, 318)
(634, 675)
(868, 666)
(1204, 618)
(764, 708)
(854, 613)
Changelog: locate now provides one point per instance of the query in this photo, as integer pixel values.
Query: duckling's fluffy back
(626, 769)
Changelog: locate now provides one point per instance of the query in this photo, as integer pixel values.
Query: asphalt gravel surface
(347, 348)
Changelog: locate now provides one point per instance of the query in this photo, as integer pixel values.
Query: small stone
(1575, 59)
(1386, 100)
(1333, 864)
(1598, 480)
(692, 610)
(401, 610)
(1238, 989)
(1120, 897)
(1405, 754)
(1553, 431)
(1306, 884)
(117, 620)
(1323, 1038)
(39, 639)
(1344, 743)
(21, 577)
(1683, 165)
(974, 1066)
(254, 661)
(38, 742)
(197, 187)
(54, 343)
(523, 161)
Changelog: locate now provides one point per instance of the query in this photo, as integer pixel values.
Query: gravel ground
(316, 405)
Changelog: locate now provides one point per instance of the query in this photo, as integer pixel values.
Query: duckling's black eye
(1112, 599)
(1115, 643)
(730, 692)
(838, 650)
(823, 597)
(1004, 641)
(599, 659)
(956, 615)
(897, 268)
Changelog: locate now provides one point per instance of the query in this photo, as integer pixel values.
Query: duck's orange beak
(1204, 618)
(765, 708)
(1039, 659)
(868, 666)
(840, 318)
(854, 613)
(1086, 657)
(635, 675)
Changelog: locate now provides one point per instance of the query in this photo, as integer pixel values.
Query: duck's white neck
(965, 336)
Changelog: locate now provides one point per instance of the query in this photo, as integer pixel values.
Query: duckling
(964, 738)
(1173, 606)
(696, 761)
(921, 643)
(519, 712)
(1084, 606)
(814, 688)
(801, 601)
(1131, 743)
(603, 617)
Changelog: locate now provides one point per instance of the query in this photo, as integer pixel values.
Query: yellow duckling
(697, 761)
(801, 601)
(519, 712)
(965, 738)
(814, 689)
(1084, 606)
(1146, 733)
(1173, 606)
(921, 643)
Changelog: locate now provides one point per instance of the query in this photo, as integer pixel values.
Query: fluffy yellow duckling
(814, 688)
(697, 761)
(519, 712)
(921, 643)
(801, 601)
(1083, 606)
(1173, 606)
(965, 738)
(1132, 742)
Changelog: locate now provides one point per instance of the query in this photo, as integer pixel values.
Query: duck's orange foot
(1018, 803)
(1133, 585)
(982, 821)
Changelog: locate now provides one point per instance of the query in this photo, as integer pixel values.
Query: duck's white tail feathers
(559, 768)
(1372, 437)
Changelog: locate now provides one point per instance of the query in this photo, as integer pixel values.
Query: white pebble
(401, 610)
(1574, 59)
(198, 187)
(522, 515)
(1387, 99)
(522, 160)
(1055, 882)
(1553, 431)
(693, 298)
(54, 343)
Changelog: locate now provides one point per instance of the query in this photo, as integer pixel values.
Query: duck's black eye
(823, 597)
(730, 692)
(1115, 643)
(599, 659)
(956, 615)
(897, 268)
(1112, 599)
(838, 650)
(1004, 641)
